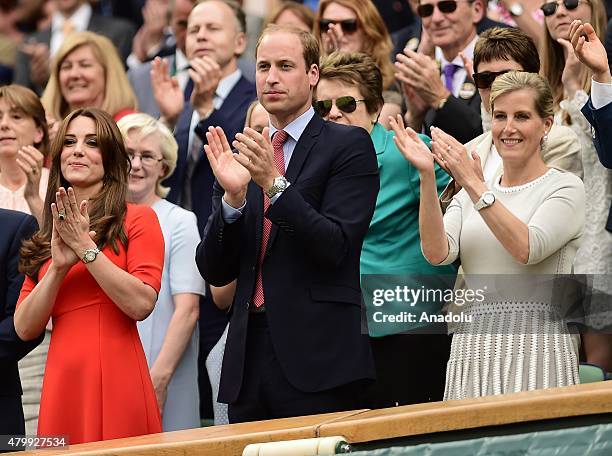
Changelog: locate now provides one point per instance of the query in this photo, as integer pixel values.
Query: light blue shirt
(294, 130)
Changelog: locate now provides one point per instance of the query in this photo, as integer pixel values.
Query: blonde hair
(118, 93)
(520, 80)
(553, 57)
(145, 125)
(376, 40)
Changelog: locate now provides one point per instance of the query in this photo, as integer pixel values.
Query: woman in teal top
(410, 367)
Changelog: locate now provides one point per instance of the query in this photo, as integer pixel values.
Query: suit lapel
(300, 153)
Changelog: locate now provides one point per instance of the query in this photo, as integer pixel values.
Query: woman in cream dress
(526, 222)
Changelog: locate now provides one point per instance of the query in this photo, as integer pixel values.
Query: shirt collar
(80, 19)
(180, 61)
(227, 84)
(468, 52)
(297, 127)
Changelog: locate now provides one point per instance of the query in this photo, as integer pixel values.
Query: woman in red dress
(94, 268)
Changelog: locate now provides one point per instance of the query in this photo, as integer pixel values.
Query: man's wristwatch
(278, 185)
(90, 255)
(486, 199)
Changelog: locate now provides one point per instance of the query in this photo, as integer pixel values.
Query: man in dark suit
(440, 92)
(14, 228)
(33, 60)
(217, 94)
(295, 345)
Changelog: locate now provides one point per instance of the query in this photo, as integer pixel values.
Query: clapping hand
(590, 50)
(230, 174)
(71, 235)
(205, 73)
(570, 77)
(30, 160)
(332, 39)
(257, 156)
(452, 156)
(411, 146)
(421, 73)
(167, 92)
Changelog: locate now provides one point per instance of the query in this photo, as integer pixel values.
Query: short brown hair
(27, 102)
(519, 80)
(507, 44)
(310, 46)
(106, 210)
(356, 69)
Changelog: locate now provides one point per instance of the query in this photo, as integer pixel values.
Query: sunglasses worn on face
(551, 8)
(484, 79)
(345, 104)
(348, 26)
(445, 6)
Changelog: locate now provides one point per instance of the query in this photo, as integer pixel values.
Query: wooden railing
(360, 426)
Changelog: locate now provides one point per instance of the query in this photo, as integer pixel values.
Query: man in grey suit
(33, 60)
(140, 77)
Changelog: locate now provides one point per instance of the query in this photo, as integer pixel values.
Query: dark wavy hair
(106, 210)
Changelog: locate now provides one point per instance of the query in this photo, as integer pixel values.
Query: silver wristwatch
(485, 200)
(90, 255)
(278, 185)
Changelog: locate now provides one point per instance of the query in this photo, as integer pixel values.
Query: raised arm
(434, 242)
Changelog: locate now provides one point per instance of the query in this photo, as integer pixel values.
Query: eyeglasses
(445, 6)
(348, 25)
(345, 104)
(484, 79)
(550, 8)
(145, 159)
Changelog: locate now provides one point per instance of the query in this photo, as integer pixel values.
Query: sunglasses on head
(345, 104)
(348, 25)
(551, 8)
(445, 6)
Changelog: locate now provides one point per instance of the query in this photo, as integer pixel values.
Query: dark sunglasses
(348, 26)
(485, 79)
(445, 6)
(345, 104)
(551, 8)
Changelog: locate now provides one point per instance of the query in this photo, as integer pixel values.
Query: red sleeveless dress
(96, 384)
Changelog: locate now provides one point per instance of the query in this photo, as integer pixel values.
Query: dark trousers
(11, 417)
(410, 369)
(267, 394)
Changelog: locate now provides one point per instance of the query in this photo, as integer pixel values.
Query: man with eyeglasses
(440, 92)
(497, 52)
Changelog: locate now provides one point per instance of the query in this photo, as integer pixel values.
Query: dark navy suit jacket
(14, 228)
(311, 265)
(601, 120)
(230, 117)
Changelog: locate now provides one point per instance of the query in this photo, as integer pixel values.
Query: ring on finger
(62, 214)
(34, 169)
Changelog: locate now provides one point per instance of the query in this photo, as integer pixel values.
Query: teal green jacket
(392, 245)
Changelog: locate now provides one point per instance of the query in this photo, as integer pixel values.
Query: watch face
(489, 198)
(90, 256)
